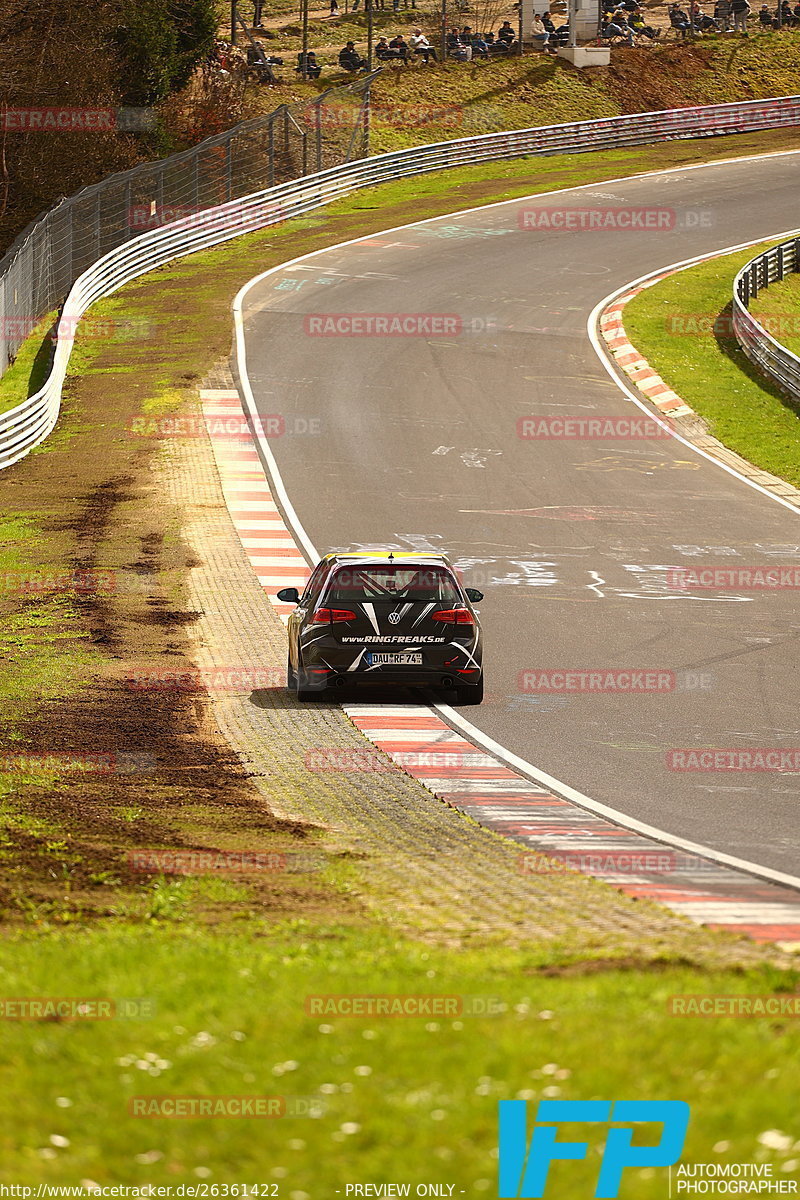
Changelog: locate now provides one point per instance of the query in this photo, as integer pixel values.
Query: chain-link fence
(41, 266)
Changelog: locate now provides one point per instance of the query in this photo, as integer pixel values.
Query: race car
(385, 619)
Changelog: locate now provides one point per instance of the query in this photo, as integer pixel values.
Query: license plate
(400, 658)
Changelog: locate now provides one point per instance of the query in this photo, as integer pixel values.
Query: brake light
(456, 616)
(324, 616)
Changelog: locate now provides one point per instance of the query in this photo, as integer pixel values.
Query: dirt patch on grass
(90, 502)
(106, 766)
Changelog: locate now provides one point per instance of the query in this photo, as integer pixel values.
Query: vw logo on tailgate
(394, 618)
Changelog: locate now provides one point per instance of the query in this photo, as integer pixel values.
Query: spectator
(616, 27)
(787, 16)
(505, 33)
(456, 48)
(702, 22)
(474, 40)
(350, 59)
(765, 17)
(334, 8)
(257, 7)
(540, 33)
(679, 19)
(400, 46)
(637, 24)
(741, 11)
(796, 11)
(259, 64)
(420, 45)
(722, 15)
(313, 68)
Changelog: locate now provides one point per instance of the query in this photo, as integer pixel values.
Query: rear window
(393, 583)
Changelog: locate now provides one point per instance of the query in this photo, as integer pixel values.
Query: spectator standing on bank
(741, 11)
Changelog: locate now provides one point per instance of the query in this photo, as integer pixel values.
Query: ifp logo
(524, 1168)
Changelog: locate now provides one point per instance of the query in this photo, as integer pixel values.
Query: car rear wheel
(470, 693)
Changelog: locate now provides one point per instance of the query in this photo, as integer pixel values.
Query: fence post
(70, 246)
(229, 169)
(97, 246)
(318, 128)
(271, 151)
(780, 261)
(3, 326)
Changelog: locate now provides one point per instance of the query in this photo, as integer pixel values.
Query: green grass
(534, 89)
(407, 1099)
(30, 368)
(709, 371)
(426, 1107)
(778, 306)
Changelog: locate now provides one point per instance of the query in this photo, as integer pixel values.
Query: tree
(160, 42)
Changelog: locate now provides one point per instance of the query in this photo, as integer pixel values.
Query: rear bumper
(426, 677)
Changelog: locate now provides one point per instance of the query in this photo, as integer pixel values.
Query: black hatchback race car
(390, 619)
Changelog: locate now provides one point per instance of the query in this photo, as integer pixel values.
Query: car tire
(470, 693)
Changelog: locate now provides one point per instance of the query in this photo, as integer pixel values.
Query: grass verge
(237, 1017)
(227, 984)
(779, 308)
(672, 325)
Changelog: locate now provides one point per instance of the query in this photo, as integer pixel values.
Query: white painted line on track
(448, 714)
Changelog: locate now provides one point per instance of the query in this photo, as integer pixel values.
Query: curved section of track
(413, 442)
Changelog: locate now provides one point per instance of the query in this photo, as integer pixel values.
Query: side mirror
(474, 595)
(289, 596)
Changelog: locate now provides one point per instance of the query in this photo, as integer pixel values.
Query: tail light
(456, 616)
(324, 616)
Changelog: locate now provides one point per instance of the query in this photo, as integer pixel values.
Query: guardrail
(761, 347)
(29, 423)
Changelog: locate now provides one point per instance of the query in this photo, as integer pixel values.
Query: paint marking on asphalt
(490, 788)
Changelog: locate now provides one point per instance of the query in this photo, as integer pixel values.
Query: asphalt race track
(412, 442)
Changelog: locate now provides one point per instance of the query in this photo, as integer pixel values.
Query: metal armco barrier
(29, 423)
(764, 350)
